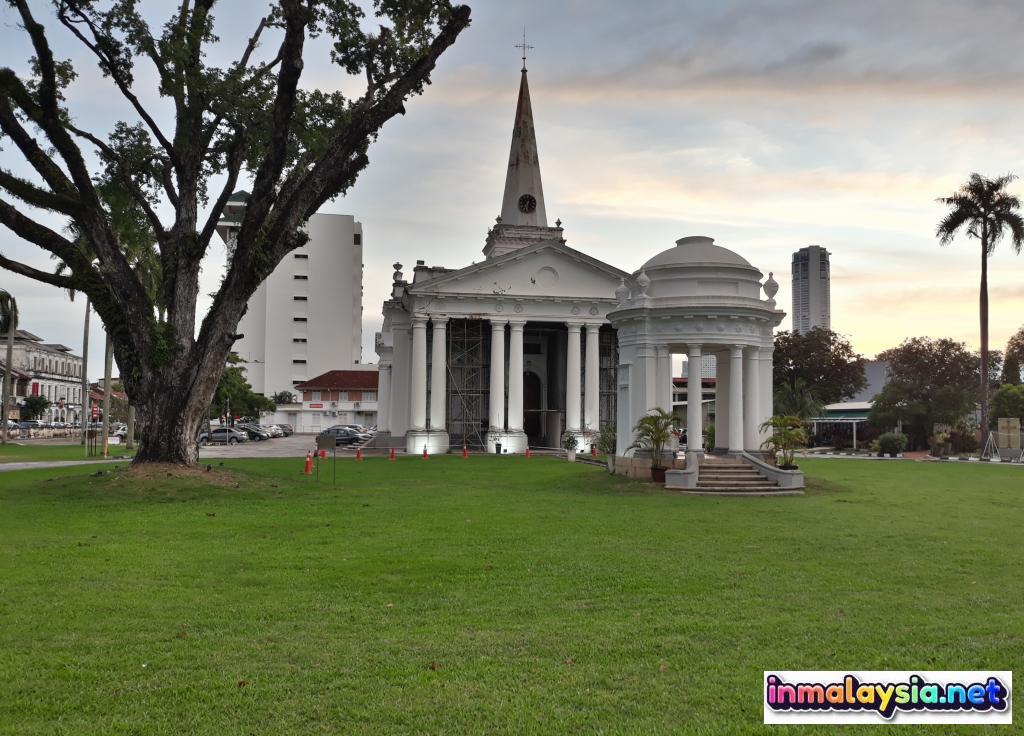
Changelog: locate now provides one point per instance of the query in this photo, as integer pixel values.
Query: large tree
(819, 360)
(930, 381)
(986, 211)
(252, 119)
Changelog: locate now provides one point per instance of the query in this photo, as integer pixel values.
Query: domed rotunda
(700, 299)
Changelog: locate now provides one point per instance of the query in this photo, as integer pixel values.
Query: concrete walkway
(43, 464)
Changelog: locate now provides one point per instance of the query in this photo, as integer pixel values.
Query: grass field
(494, 595)
(33, 450)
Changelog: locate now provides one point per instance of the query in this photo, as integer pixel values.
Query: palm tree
(797, 400)
(988, 211)
(8, 325)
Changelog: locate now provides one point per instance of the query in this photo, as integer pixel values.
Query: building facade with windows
(812, 306)
(335, 397)
(53, 372)
(306, 318)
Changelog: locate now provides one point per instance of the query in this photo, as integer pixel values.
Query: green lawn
(21, 451)
(494, 595)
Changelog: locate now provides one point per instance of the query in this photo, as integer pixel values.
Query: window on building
(299, 339)
(369, 395)
(299, 361)
(302, 256)
(300, 319)
(300, 298)
(357, 239)
(316, 396)
(343, 396)
(301, 277)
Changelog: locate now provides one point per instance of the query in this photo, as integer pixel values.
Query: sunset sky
(766, 125)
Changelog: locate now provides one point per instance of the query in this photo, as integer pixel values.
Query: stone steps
(732, 476)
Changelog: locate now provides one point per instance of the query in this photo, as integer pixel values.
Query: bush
(607, 439)
(709, 437)
(892, 443)
(963, 441)
(570, 443)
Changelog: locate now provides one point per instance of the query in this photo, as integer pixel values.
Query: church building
(540, 340)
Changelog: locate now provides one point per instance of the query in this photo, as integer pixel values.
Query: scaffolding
(469, 351)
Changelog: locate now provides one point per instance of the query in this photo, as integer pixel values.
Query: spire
(523, 203)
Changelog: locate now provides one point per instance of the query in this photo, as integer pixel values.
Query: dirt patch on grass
(203, 472)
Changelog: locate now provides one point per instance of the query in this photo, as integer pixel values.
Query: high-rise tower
(811, 301)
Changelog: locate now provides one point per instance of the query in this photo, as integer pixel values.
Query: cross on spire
(524, 47)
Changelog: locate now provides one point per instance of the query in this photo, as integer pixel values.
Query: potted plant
(653, 432)
(569, 444)
(788, 435)
(709, 437)
(606, 444)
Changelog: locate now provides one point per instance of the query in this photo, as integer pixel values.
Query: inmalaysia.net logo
(903, 697)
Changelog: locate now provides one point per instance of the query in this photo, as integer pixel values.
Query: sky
(767, 125)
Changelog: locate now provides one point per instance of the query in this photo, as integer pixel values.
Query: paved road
(10, 467)
(295, 446)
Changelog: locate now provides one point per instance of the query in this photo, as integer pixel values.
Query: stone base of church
(435, 441)
(512, 442)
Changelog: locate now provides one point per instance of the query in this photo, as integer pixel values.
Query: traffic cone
(593, 451)
(527, 453)
(465, 452)
(323, 454)
(309, 463)
(425, 455)
(391, 457)
(359, 453)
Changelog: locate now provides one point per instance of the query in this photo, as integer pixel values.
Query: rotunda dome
(696, 250)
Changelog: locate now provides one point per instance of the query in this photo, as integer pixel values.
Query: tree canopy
(821, 361)
(178, 162)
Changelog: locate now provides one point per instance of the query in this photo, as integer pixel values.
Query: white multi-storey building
(811, 301)
(306, 318)
(53, 372)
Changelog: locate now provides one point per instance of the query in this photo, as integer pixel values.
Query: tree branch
(29, 193)
(63, 282)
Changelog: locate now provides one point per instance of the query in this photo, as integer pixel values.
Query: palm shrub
(787, 436)
(892, 443)
(653, 432)
(709, 437)
(607, 440)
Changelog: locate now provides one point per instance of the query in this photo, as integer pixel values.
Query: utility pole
(86, 418)
(107, 367)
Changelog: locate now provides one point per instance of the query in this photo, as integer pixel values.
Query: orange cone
(527, 453)
(593, 449)
(465, 452)
(425, 455)
(391, 457)
(359, 453)
(309, 463)
(323, 454)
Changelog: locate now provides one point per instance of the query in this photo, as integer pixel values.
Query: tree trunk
(7, 381)
(86, 418)
(171, 410)
(984, 338)
(129, 436)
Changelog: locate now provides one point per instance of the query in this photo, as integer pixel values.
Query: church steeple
(523, 203)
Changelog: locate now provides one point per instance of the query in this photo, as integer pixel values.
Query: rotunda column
(751, 399)
(736, 399)
(515, 375)
(694, 400)
(384, 396)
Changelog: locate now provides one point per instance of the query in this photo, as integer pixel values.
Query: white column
(592, 395)
(752, 399)
(419, 373)
(515, 375)
(439, 373)
(767, 359)
(694, 400)
(736, 399)
(384, 396)
(497, 391)
(572, 378)
(663, 395)
(401, 371)
(722, 401)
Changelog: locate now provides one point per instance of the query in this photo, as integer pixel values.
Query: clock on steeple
(527, 203)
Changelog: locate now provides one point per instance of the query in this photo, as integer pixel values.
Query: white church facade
(540, 340)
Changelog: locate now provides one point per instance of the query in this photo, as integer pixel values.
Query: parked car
(30, 424)
(343, 436)
(255, 432)
(222, 436)
(274, 430)
(286, 429)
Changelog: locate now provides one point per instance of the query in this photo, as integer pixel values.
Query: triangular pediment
(548, 269)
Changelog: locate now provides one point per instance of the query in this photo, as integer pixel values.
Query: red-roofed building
(335, 397)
